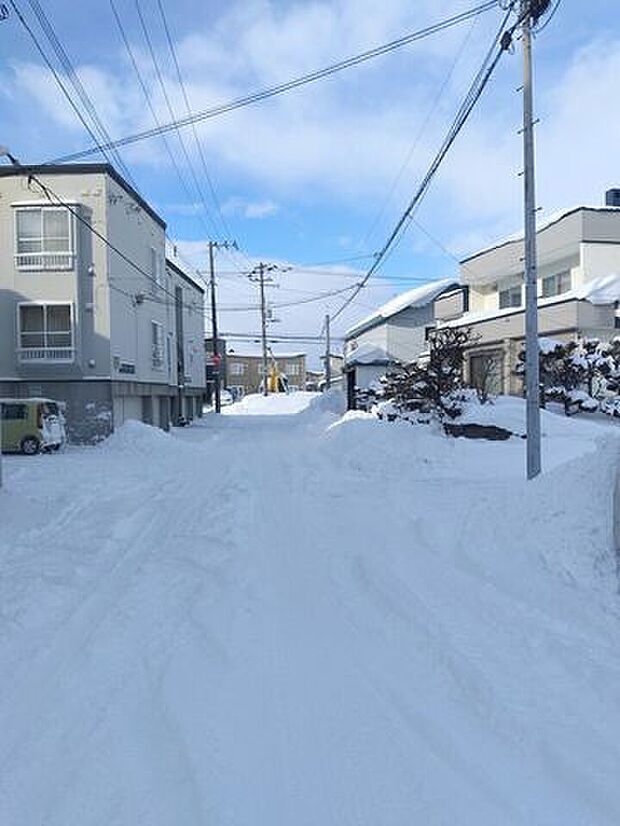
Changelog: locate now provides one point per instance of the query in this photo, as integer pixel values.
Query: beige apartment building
(91, 314)
(578, 289)
(244, 369)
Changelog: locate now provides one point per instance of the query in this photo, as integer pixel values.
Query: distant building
(110, 329)
(244, 369)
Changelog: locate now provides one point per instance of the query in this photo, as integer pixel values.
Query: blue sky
(313, 176)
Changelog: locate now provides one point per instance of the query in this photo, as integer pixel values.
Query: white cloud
(250, 209)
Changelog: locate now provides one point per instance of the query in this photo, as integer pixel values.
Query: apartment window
(292, 368)
(43, 238)
(237, 369)
(157, 343)
(157, 279)
(45, 332)
(556, 284)
(512, 297)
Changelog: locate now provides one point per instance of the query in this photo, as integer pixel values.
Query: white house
(578, 289)
(398, 331)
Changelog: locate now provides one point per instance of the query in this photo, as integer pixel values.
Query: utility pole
(263, 320)
(216, 355)
(257, 276)
(215, 245)
(530, 10)
(328, 356)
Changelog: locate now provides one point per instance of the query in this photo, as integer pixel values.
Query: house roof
(418, 297)
(184, 275)
(541, 225)
(368, 354)
(248, 350)
(82, 169)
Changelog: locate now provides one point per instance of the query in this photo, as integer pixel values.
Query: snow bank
(398, 444)
(275, 404)
(137, 438)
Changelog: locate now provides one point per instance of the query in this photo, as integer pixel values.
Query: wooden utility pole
(217, 361)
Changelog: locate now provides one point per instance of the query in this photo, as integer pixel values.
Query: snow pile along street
(277, 619)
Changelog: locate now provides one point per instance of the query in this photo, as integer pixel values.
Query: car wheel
(30, 445)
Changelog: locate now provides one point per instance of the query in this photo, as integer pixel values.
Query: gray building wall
(112, 376)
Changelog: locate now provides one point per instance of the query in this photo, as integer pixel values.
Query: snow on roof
(602, 290)
(541, 225)
(368, 354)
(418, 297)
(249, 350)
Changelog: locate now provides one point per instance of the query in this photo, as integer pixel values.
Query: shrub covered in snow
(577, 373)
(432, 387)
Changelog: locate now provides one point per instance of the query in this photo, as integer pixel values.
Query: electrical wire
(50, 194)
(294, 83)
(416, 141)
(501, 42)
(70, 72)
(58, 80)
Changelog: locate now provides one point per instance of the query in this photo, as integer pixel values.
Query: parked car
(31, 425)
(226, 397)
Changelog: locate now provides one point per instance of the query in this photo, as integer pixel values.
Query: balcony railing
(44, 260)
(46, 355)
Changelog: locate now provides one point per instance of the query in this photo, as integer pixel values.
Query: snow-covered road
(258, 622)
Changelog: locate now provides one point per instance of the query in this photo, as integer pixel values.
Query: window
(292, 368)
(156, 269)
(237, 369)
(157, 343)
(45, 332)
(512, 297)
(43, 238)
(14, 412)
(556, 284)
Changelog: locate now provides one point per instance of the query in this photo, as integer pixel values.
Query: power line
(49, 194)
(294, 83)
(72, 75)
(253, 307)
(501, 42)
(416, 141)
(201, 155)
(171, 113)
(75, 81)
(59, 81)
(188, 109)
